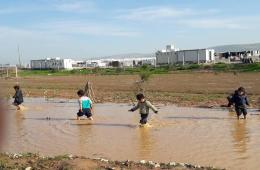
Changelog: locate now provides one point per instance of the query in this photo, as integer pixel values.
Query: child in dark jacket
(18, 97)
(230, 98)
(143, 106)
(241, 102)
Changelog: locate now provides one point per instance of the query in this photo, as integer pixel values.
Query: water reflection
(240, 135)
(83, 134)
(19, 118)
(145, 143)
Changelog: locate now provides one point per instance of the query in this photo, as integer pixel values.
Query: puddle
(194, 135)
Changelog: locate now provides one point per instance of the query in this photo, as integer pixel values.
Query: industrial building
(171, 55)
(52, 63)
(121, 62)
(68, 64)
(133, 62)
(241, 56)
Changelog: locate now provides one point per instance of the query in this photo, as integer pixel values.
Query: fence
(8, 71)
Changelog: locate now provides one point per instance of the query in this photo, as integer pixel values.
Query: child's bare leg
(244, 113)
(78, 118)
(90, 118)
(244, 116)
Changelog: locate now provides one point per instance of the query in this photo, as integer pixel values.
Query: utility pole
(198, 56)
(19, 56)
(183, 58)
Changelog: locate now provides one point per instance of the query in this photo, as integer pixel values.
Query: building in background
(131, 62)
(240, 56)
(171, 55)
(52, 63)
(68, 64)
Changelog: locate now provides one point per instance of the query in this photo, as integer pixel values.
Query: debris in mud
(30, 161)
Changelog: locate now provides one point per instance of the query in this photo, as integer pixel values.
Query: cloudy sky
(82, 29)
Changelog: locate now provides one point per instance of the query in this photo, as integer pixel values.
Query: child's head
(241, 90)
(80, 93)
(140, 97)
(16, 87)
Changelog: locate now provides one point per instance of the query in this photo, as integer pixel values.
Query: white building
(195, 56)
(135, 62)
(174, 56)
(68, 64)
(121, 62)
(52, 63)
(95, 63)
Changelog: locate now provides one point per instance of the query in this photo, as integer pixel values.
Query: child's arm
(80, 105)
(134, 108)
(16, 94)
(149, 104)
(247, 103)
(91, 104)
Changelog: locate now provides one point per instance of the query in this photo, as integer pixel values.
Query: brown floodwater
(194, 135)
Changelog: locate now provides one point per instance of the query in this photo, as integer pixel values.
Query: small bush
(207, 67)
(194, 66)
(221, 66)
(119, 70)
(145, 75)
(145, 67)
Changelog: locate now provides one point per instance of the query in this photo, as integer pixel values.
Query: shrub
(145, 75)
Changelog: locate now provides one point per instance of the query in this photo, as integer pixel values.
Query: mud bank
(30, 161)
(185, 89)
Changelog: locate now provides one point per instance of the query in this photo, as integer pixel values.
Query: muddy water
(198, 136)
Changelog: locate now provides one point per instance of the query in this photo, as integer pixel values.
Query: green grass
(147, 70)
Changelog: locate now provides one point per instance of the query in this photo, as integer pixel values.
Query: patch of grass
(145, 69)
(29, 154)
(145, 75)
(2, 164)
(221, 67)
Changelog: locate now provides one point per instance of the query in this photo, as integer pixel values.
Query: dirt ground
(186, 89)
(30, 161)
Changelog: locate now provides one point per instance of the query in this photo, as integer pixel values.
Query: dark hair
(80, 92)
(140, 96)
(241, 89)
(16, 87)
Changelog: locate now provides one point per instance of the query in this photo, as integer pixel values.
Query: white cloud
(76, 6)
(84, 28)
(212, 23)
(67, 28)
(161, 13)
(151, 13)
(234, 23)
(21, 9)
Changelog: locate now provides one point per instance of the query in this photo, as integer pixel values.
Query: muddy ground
(185, 89)
(31, 161)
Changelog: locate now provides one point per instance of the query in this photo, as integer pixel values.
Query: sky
(82, 29)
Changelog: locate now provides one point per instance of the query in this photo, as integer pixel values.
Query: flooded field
(198, 136)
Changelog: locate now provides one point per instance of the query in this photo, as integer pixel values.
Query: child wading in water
(85, 106)
(241, 102)
(18, 97)
(143, 105)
